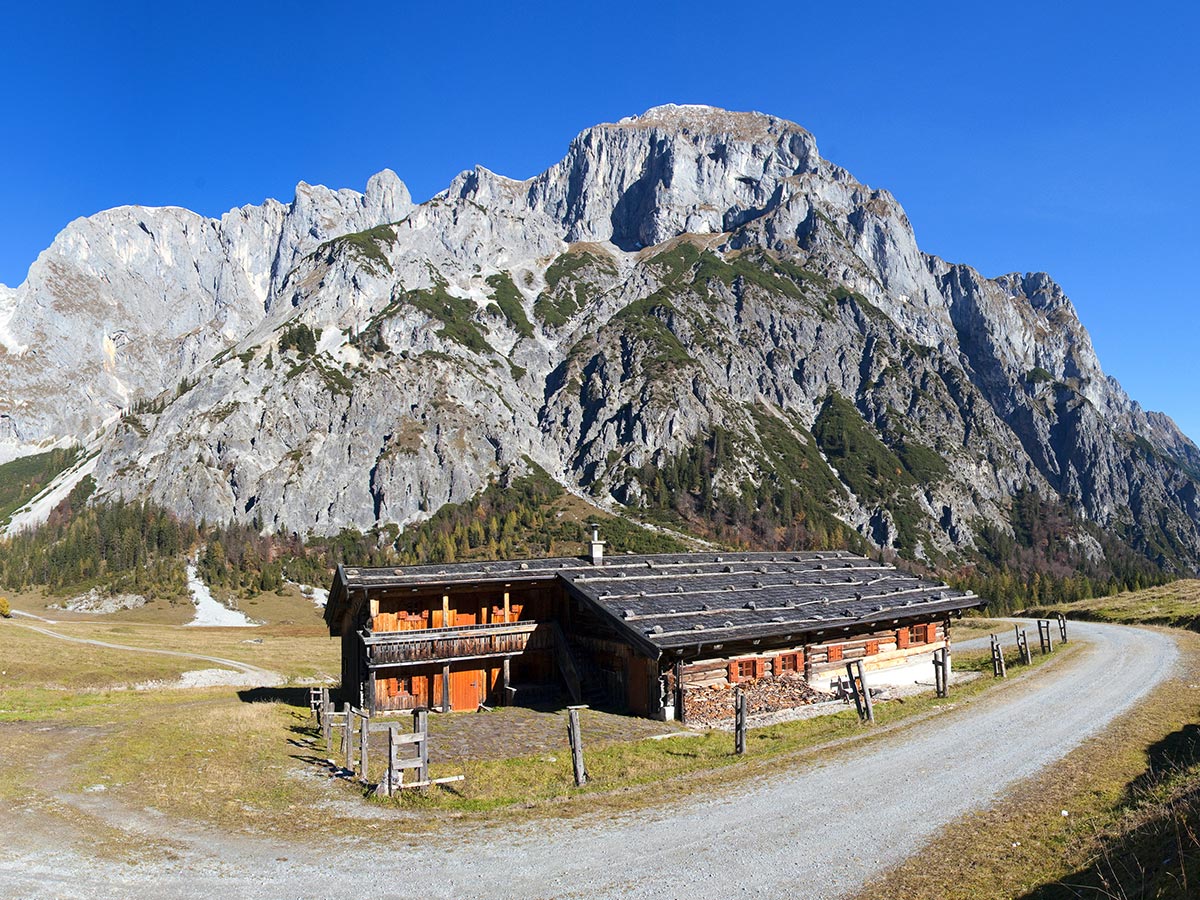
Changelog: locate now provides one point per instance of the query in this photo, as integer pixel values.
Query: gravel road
(811, 830)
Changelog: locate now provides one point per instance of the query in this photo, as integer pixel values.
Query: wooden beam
(446, 687)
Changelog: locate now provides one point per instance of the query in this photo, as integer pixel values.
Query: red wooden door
(467, 688)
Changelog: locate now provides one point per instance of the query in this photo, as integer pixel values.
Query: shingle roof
(673, 600)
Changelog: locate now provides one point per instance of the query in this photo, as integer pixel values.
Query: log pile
(708, 706)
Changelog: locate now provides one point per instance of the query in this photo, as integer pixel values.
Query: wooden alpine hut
(635, 633)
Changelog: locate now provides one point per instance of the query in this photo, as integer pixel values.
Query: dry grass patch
(1025, 846)
(296, 652)
(971, 627)
(32, 661)
(210, 756)
(1176, 605)
(216, 760)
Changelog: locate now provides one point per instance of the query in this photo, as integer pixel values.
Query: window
(835, 652)
(788, 662)
(746, 669)
(919, 634)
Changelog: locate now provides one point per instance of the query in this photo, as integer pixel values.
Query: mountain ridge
(674, 273)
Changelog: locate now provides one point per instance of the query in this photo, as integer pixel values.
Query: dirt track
(254, 674)
(822, 830)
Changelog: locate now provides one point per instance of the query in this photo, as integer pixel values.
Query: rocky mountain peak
(671, 171)
(350, 359)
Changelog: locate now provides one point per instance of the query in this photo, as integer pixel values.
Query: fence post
(854, 690)
(739, 721)
(326, 724)
(1044, 636)
(421, 726)
(348, 738)
(394, 775)
(1062, 627)
(941, 675)
(866, 692)
(575, 738)
(999, 669)
(364, 734)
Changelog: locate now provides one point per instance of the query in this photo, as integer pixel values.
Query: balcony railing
(439, 645)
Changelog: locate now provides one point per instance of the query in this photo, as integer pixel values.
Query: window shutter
(835, 653)
(733, 673)
(760, 667)
(902, 638)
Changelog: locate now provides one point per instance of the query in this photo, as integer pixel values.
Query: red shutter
(902, 638)
(835, 653)
(733, 673)
(760, 667)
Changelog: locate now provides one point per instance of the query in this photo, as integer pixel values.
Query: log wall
(817, 662)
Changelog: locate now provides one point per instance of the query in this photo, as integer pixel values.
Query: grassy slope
(1176, 605)
(1132, 795)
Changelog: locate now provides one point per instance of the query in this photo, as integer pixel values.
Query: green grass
(645, 321)
(568, 289)
(455, 313)
(366, 245)
(510, 302)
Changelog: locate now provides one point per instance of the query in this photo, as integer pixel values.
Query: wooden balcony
(442, 645)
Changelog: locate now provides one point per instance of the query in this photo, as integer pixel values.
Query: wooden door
(467, 688)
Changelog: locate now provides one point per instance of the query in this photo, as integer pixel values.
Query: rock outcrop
(353, 359)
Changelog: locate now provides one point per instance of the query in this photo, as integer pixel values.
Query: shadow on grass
(290, 696)
(1156, 854)
(1178, 751)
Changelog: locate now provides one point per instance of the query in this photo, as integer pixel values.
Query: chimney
(597, 546)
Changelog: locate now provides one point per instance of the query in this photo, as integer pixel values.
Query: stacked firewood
(713, 705)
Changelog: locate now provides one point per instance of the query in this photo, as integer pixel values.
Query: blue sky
(1018, 137)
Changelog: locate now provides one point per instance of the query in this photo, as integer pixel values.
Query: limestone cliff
(355, 359)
